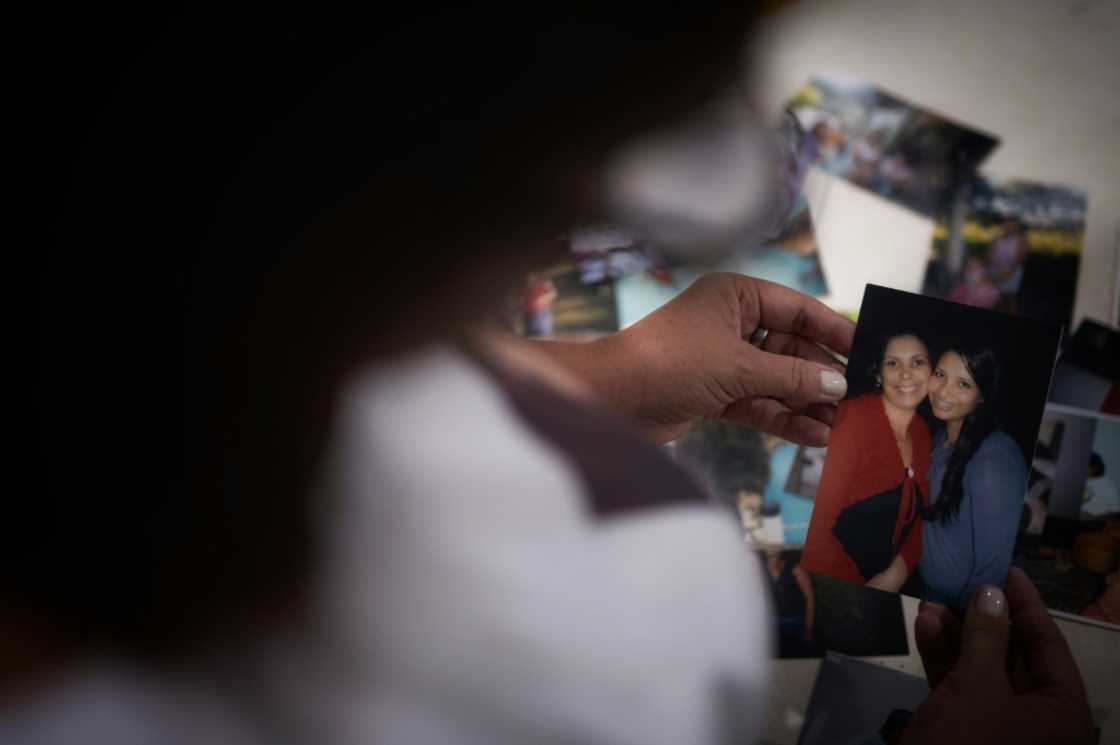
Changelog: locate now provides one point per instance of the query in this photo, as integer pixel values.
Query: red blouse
(863, 461)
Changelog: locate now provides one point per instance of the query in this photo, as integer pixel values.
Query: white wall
(1043, 75)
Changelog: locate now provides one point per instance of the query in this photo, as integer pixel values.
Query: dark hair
(871, 372)
(1096, 463)
(983, 366)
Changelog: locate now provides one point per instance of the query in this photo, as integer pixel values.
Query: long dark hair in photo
(983, 366)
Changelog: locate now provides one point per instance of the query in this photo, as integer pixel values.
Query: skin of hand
(892, 578)
(1004, 674)
(690, 360)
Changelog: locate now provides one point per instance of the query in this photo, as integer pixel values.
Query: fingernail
(833, 384)
(990, 601)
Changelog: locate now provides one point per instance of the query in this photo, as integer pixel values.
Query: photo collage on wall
(1002, 266)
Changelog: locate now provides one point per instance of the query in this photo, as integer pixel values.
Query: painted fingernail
(833, 384)
(990, 601)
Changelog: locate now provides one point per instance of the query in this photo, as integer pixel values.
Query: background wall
(1042, 75)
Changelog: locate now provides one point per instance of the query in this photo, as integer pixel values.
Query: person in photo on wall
(977, 480)
(866, 524)
(1101, 499)
(1005, 258)
(975, 288)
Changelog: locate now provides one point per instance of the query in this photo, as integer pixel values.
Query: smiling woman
(930, 516)
(865, 526)
(977, 478)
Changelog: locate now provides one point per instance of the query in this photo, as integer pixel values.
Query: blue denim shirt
(975, 547)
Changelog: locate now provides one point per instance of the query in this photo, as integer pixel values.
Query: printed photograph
(1088, 374)
(813, 614)
(749, 471)
(857, 702)
(1069, 534)
(558, 303)
(805, 471)
(887, 145)
(1015, 247)
(926, 473)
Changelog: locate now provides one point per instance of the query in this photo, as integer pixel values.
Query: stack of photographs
(1001, 243)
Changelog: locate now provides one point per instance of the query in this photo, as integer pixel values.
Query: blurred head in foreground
(251, 208)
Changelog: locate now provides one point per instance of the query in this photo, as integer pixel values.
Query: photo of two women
(923, 486)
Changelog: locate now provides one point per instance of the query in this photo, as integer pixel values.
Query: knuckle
(803, 378)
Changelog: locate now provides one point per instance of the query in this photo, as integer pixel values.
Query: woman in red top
(865, 526)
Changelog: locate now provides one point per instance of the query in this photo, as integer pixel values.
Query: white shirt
(1101, 497)
(467, 596)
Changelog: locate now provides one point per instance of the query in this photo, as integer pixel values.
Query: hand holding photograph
(926, 471)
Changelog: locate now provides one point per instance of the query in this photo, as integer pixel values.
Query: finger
(938, 639)
(790, 378)
(984, 637)
(791, 345)
(775, 418)
(944, 614)
(824, 411)
(1046, 653)
(782, 309)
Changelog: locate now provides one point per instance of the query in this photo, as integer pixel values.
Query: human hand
(892, 578)
(1005, 674)
(689, 360)
(882, 581)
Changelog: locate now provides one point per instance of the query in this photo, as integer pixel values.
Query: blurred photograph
(749, 472)
(1014, 247)
(924, 480)
(1069, 535)
(855, 702)
(558, 302)
(1088, 374)
(816, 613)
(790, 258)
(805, 471)
(887, 145)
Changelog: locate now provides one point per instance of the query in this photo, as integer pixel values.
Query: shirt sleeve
(822, 551)
(994, 481)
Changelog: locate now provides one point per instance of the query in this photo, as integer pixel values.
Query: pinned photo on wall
(557, 302)
(887, 145)
(924, 480)
(1011, 245)
(1069, 536)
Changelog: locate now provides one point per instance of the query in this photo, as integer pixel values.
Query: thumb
(985, 634)
(792, 378)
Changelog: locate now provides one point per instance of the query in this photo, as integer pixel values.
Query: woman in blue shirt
(977, 480)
